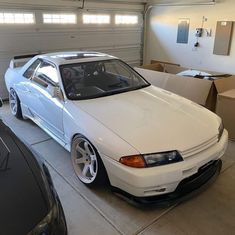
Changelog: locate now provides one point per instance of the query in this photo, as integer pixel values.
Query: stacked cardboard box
(225, 107)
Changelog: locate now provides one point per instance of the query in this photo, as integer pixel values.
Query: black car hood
(23, 202)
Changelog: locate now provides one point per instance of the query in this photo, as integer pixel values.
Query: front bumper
(161, 180)
(186, 188)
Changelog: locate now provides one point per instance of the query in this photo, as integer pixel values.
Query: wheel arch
(16, 110)
(83, 135)
(96, 149)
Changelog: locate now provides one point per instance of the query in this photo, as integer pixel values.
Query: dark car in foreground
(29, 204)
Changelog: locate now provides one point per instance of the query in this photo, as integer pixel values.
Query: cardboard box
(225, 107)
(226, 110)
(154, 67)
(169, 67)
(175, 68)
(203, 92)
(191, 88)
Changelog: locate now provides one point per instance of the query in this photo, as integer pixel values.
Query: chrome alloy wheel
(13, 102)
(84, 160)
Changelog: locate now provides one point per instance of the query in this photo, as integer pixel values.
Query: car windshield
(100, 78)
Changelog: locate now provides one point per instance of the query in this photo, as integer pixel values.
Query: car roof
(70, 57)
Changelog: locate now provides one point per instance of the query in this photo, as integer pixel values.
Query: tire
(15, 106)
(87, 163)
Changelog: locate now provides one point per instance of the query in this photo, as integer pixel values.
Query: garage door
(111, 28)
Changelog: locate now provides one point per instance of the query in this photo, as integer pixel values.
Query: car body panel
(150, 181)
(25, 198)
(147, 120)
(16, 183)
(83, 123)
(140, 117)
(48, 109)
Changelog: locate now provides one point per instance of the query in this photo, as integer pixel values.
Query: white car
(144, 140)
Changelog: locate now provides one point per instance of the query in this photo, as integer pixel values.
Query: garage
(117, 117)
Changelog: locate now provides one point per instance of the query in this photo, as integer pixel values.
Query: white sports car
(143, 140)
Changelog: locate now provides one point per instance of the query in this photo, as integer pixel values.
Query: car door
(47, 110)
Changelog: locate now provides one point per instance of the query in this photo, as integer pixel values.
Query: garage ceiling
(75, 3)
(79, 3)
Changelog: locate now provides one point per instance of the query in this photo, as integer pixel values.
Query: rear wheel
(15, 104)
(87, 163)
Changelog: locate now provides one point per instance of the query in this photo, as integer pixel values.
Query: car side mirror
(1, 102)
(39, 81)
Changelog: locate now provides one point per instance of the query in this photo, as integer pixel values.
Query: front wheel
(87, 163)
(15, 104)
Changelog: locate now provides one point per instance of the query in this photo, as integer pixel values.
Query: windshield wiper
(140, 87)
(108, 93)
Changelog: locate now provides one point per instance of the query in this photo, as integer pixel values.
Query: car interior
(97, 78)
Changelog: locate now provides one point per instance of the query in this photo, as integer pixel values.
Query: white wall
(162, 35)
(121, 41)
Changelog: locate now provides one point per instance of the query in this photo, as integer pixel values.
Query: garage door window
(59, 19)
(16, 18)
(126, 19)
(96, 19)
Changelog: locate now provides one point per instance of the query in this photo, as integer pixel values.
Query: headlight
(151, 160)
(45, 226)
(221, 130)
(165, 158)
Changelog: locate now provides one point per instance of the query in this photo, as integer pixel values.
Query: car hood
(23, 204)
(154, 120)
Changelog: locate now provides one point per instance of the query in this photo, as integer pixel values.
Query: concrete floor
(101, 212)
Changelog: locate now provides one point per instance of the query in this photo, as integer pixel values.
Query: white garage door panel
(51, 41)
(131, 55)
(124, 42)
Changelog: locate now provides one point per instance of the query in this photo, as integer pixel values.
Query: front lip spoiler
(186, 189)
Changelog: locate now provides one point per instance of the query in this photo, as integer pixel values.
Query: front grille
(199, 148)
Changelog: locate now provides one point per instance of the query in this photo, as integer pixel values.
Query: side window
(30, 71)
(46, 74)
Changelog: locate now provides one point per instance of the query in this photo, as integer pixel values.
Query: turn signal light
(136, 161)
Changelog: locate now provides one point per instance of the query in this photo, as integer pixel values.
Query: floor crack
(39, 142)
(155, 220)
